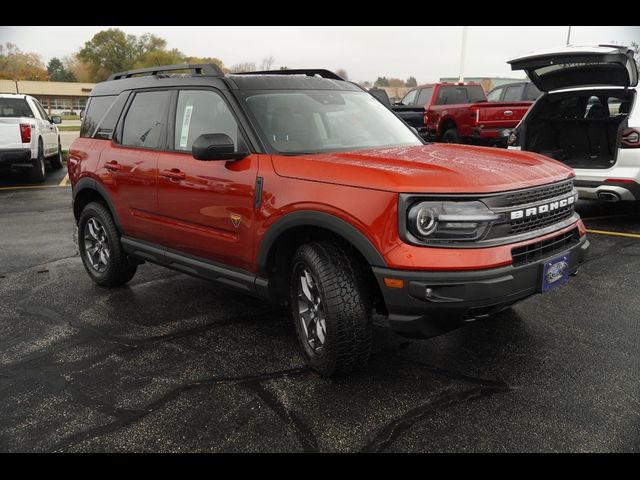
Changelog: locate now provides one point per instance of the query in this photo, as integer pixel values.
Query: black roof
(206, 75)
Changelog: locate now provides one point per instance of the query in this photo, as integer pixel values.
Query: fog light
(428, 292)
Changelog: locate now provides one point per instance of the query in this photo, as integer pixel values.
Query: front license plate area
(555, 272)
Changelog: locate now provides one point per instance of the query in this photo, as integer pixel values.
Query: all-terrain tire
(346, 306)
(118, 270)
(56, 160)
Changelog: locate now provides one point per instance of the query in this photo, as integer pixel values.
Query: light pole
(463, 52)
(569, 35)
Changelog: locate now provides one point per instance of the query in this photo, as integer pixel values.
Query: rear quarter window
(95, 111)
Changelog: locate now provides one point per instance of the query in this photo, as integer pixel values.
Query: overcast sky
(365, 53)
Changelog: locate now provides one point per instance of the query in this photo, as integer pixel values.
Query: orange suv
(302, 188)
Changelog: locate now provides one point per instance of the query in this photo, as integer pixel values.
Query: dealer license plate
(555, 272)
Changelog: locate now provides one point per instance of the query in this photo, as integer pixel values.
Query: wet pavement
(173, 363)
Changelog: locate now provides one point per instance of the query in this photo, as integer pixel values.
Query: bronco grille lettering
(545, 208)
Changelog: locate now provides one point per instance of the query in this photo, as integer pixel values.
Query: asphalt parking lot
(173, 363)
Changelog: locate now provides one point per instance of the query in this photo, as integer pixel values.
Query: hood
(435, 168)
(569, 67)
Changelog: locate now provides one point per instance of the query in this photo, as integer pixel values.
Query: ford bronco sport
(302, 188)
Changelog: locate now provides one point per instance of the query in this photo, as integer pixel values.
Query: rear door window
(144, 123)
(409, 98)
(95, 110)
(495, 94)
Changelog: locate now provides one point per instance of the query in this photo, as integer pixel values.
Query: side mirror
(215, 146)
(57, 119)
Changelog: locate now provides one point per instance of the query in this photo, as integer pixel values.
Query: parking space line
(614, 234)
(64, 181)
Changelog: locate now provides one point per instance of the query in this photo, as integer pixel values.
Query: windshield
(314, 121)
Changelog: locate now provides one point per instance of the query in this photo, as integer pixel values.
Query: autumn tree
(80, 70)
(411, 82)
(17, 65)
(381, 82)
(267, 63)
(208, 60)
(244, 67)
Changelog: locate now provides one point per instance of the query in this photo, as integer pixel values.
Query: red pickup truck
(459, 113)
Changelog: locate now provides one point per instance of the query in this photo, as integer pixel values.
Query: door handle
(508, 113)
(173, 174)
(113, 166)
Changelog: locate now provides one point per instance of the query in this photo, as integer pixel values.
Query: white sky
(427, 53)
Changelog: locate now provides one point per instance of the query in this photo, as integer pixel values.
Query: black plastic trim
(93, 184)
(311, 218)
(634, 188)
(196, 266)
(258, 192)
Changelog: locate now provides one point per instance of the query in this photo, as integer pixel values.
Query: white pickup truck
(28, 136)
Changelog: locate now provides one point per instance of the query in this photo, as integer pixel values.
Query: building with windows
(59, 98)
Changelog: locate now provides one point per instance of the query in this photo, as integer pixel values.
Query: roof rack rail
(308, 72)
(208, 69)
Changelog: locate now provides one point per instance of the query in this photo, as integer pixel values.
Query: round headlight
(426, 221)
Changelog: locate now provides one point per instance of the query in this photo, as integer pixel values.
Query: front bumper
(461, 295)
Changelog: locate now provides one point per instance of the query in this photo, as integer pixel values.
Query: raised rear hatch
(605, 65)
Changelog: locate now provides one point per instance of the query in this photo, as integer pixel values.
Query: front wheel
(102, 254)
(331, 309)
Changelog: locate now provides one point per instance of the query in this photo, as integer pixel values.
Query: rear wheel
(451, 136)
(56, 160)
(102, 254)
(37, 173)
(331, 309)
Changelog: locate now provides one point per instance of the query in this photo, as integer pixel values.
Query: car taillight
(426, 118)
(25, 132)
(630, 138)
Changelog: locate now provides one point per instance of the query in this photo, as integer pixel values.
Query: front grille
(532, 195)
(536, 251)
(523, 225)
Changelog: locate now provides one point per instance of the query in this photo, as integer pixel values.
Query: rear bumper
(17, 155)
(596, 190)
(491, 136)
(460, 295)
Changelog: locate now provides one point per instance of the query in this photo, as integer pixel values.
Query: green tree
(411, 82)
(57, 72)
(381, 82)
(160, 57)
(109, 51)
(17, 65)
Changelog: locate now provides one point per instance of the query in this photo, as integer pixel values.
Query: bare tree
(342, 73)
(244, 67)
(267, 63)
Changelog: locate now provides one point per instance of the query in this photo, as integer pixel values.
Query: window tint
(425, 96)
(15, 107)
(513, 94)
(96, 108)
(532, 92)
(107, 124)
(199, 112)
(409, 98)
(145, 119)
(41, 110)
(494, 95)
(455, 94)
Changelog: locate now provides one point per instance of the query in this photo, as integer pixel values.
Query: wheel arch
(447, 123)
(294, 229)
(88, 190)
